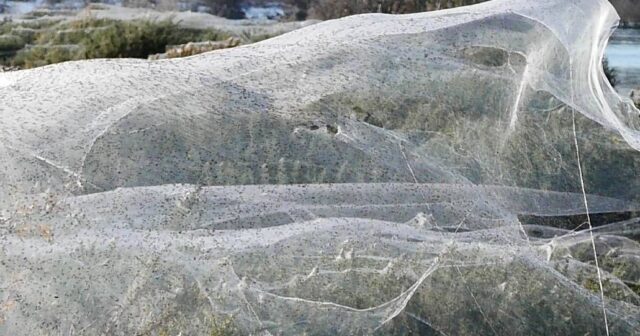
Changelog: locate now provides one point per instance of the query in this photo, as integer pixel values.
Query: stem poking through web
(586, 206)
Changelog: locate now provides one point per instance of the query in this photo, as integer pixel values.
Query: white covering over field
(377, 174)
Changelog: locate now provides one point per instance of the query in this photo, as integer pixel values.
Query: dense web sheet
(458, 172)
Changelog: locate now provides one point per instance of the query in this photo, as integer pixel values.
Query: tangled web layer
(461, 172)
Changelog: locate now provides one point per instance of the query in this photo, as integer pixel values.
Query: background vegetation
(629, 11)
(27, 46)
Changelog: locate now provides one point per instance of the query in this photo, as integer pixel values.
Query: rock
(7, 68)
(194, 48)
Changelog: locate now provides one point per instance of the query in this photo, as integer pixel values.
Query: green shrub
(11, 43)
(43, 55)
(5, 27)
(139, 39)
(102, 38)
(40, 24)
(27, 34)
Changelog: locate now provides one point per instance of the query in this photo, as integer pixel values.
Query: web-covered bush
(460, 172)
